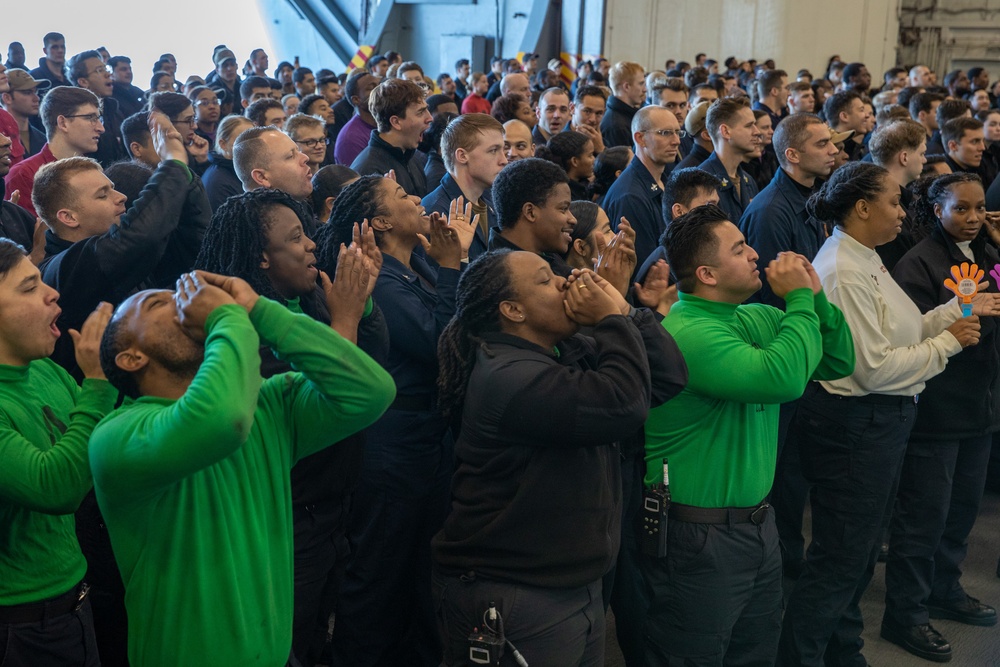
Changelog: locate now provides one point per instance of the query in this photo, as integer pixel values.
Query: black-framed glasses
(92, 118)
(313, 143)
(183, 121)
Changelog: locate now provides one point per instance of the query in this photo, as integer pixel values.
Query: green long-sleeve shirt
(720, 434)
(45, 424)
(196, 491)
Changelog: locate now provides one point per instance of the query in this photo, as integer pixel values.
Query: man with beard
(200, 463)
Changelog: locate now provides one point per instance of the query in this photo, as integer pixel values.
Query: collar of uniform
(855, 246)
(615, 104)
(14, 373)
(718, 309)
(641, 174)
(501, 338)
(377, 141)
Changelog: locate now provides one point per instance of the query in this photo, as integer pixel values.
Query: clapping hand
(616, 261)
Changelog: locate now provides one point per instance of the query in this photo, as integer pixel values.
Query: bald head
(515, 83)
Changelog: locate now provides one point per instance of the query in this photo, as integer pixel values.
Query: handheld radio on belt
(655, 505)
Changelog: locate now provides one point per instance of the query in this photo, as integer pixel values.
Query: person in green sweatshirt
(193, 476)
(717, 593)
(45, 422)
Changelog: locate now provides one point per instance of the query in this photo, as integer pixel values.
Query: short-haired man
(138, 140)
(857, 78)
(50, 67)
(964, 145)
(21, 101)
(180, 112)
(532, 200)
(628, 93)
(515, 83)
(72, 119)
(554, 111)
(45, 424)
(308, 134)
(329, 87)
(845, 111)
(401, 115)
(949, 109)
(776, 221)
(254, 88)
(957, 83)
(266, 112)
(517, 141)
(87, 70)
(923, 109)
(636, 193)
(204, 457)
(701, 93)
(718, 593)
(735, 139)
(772, 88)
(801, 98)
(589, 104)
(304, 80)
(472, 148)
(673, 94)
(96, 251)
(462, 71)
(15, 56)
(259, 62)
(130, 98)
(900, 147)
(265, 157)
(919, 77)
(355, 135)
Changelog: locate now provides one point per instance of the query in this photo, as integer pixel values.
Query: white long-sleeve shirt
(897, 348)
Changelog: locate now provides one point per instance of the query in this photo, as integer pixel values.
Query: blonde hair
(302, 121)
(229, 128)
(51, 192)
(622, 72)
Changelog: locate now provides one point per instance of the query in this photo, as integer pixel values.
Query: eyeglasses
(214, 102)
(183, 121)
(103, 69)
(312, 143)
(92, 118)
(423, 84)
(680, 134)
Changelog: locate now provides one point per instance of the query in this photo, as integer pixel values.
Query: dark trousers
(938, 500)
(852, 451)
(550, 627)
(385, 615)
(321, 553)
(66, 640)
(790, 490)
(715, 597)
(627, 593)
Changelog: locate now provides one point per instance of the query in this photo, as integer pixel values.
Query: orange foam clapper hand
(964, 283)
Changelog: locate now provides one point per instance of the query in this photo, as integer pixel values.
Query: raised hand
(167, 140)
(196, 299)
(37, 253)
(15, 197)
(237, 288)
(463, 222)
(363, 237)
(616, 261)
(87, 341)
(347, 293)
(442, 245)
(585, 302)
(657, 292)
(198, 149)
(787, 273)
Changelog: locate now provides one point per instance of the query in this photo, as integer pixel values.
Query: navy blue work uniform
(729, 201)
(439, 201)
(944, 470)
(694, 159)
(636, 197)
(616, 126)
(379, 156)
(777, 221)
(384, 615)
(556, 262)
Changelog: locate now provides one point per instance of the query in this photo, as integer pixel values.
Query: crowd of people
(301, 368)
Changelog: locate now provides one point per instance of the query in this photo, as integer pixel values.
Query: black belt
(879, 399)
(414, 402)
(35, 612)
(719, 515)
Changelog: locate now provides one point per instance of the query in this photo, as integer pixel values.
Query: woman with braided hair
(536, 495)
(258, 236)
(402, 496)
(944, 468)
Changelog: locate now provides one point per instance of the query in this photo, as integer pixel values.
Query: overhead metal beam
(321, 27)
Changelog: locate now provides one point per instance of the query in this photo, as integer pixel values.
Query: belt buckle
(81, 596)
(759, 514)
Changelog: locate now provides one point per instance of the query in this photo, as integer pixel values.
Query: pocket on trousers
(686, 546)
